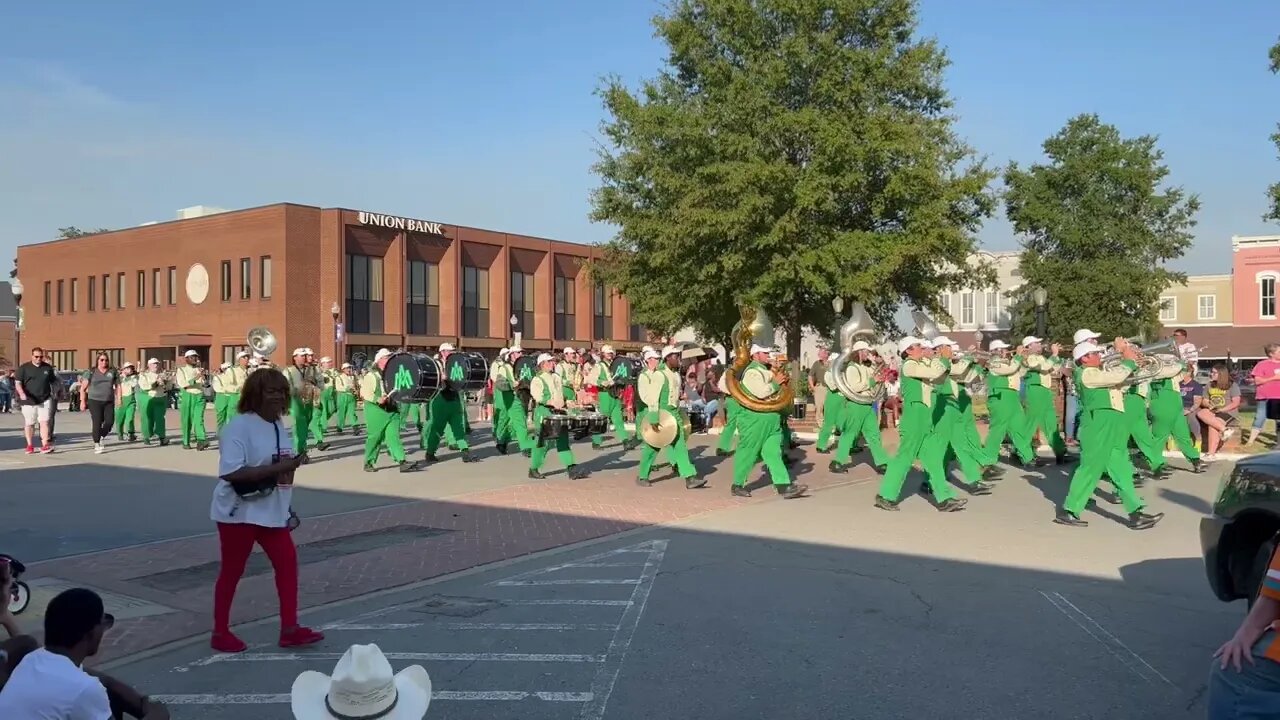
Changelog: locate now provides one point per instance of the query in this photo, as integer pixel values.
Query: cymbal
(666, 432)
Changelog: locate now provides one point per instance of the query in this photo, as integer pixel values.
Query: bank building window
(522, 302)
(60, 288)
(564, 308)
(602, 313)
(75, 294)
(93, 293)
(264, 277)
(142, 288)
(422, 290)
(246, 289)
(121, 289)
(106, 291)
(364, 294)
(62, 359)
(475, 302)
(48, 293)
(225, 281)
(172, 286)
(115, 355)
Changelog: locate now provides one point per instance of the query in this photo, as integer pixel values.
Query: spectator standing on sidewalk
(98, 398)
(817, 387)
(37, 385)
(1266, 380)
(6, 391)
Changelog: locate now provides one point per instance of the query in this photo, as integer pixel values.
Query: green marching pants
(382, 431)
(445, 413)
(510, 421)
(540, 448)
(329, 403)
(731, 409)
(1007, 419)
(833, 411)
(611, 407)
(917, 439)
(224, 407)
(301, 413)
(1104, 447)
(191, 417)
(759, 438)
(860, 420)
(1042, 416)
(124, 416)
(1167, 419)
(411, 416)
(951, 428)
(153, 410)
(677, 451)
(972, 440)
(345, 410)
(1135, 417)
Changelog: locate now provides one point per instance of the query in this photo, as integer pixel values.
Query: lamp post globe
(16, 286)
(837, 304)
(1040, 296)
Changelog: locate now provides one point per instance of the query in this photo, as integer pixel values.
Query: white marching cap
(861, 345)
(998, 345)
(515, 349)
(570, 351)
(1086, 335)
(504, 351)
(647, 348)
(446, 347)
(308, 351)
(299, 352)
(1085, 348)
(381, 354)
(606, 350)
(669, 350)
(326, 359)
(225, 366)
(128, 364)
(545, 357)
(942, 341)
(241, 354)
(191, 353)
(754, 349)
(347, 365)
(909, 342)
(650, 353)
(1031, 340)
(153, 361)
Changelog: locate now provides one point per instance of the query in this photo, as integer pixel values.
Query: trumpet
(982, 357)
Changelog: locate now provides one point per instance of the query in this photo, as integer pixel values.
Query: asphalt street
(816, 608)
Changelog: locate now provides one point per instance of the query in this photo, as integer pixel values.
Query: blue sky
(114, 114)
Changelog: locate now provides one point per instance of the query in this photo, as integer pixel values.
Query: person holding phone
(252, 503)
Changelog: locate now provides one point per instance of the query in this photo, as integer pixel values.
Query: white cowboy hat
(362, 686)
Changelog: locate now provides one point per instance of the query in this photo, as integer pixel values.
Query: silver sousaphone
(261, 341)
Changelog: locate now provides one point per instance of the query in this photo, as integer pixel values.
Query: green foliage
(791, 151)
(1096, 229)
(71, 231)
(1273, 192)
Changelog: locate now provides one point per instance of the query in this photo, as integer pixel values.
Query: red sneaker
(31, 450)
(227, 642)
(45, 450)
(299, 636)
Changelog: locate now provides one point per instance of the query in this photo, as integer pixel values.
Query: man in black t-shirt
(37, 385)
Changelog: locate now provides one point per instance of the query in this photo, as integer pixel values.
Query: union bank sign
(400, 223)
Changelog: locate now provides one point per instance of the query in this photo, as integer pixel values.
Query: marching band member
(725, 446)
(778, 363)
(921, 375)
(859, 416)
(345, 393)
(610, 400)
(833, 409)
(974, 373)
(1167, 417)
(760, 433)
(315, 379)
(1135, 418)
(949, 426)
(328, 396)
(510, 419)
(1004, 380)
(155, 399)
(638, 402)
(446, 412)
(549, 397)
(190, 380)
(381, 418)
(1104, 437)
(1041, 415)
(126, 401)
(301, 406)
(570, 374)
(232, 381)
(660, 387)
(496, 371)
(219, 409)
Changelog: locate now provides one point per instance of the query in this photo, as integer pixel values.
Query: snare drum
(412, 377)
(466, 372)
(555, 425)
(595, 423)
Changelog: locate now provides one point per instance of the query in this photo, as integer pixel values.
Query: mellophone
(578, 423)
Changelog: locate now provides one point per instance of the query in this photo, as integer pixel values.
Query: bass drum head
(525, 369)
(411, 377)
(625, 370)
(466, 372)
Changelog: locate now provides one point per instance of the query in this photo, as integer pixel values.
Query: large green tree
(791, 151)
(1097, 226)
(1273, 193)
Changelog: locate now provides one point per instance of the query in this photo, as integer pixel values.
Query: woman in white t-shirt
(251, 504)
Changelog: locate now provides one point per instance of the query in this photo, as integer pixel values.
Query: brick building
(336, 280)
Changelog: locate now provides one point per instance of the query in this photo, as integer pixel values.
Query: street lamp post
(16, 286)
(515, 336)
(335, 312)
(1041, 298)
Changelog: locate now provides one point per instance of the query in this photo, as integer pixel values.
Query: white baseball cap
(299, 352)
(607, 349)
(381, 354)
(504, 351)
(128, 364)
(1030, 340)
(308, 351)
(1085, 348)
(650, 353)
(998, 345)
(153, 361)
(225, 366)
(241, 354)
(326, 359)
(191, 353)
(860, 345)
(515, 349)
(446, 347)
(1085, 336)
(942, 341)
(754, 349)
(347, 365)
(570, 351)
(545, 357)
(669, 350)
(909, 342)
(646, 348)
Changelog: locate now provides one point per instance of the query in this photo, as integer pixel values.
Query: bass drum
(625, 370)
(466, 372)
(525, 369)
(412, 377)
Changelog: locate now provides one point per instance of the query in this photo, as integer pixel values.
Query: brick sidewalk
(439, 537)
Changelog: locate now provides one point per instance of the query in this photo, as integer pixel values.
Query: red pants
(236, 541)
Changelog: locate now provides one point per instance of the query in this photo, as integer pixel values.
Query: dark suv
(1240, 536)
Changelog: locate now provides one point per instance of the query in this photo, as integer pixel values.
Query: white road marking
(438, 657)
(526, 583)
(1118, 649)
(587, 561)
(469, 626)
(609, 603)
(439, 695)
(607, 675)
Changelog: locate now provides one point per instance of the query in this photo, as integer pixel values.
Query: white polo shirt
(48, 686)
